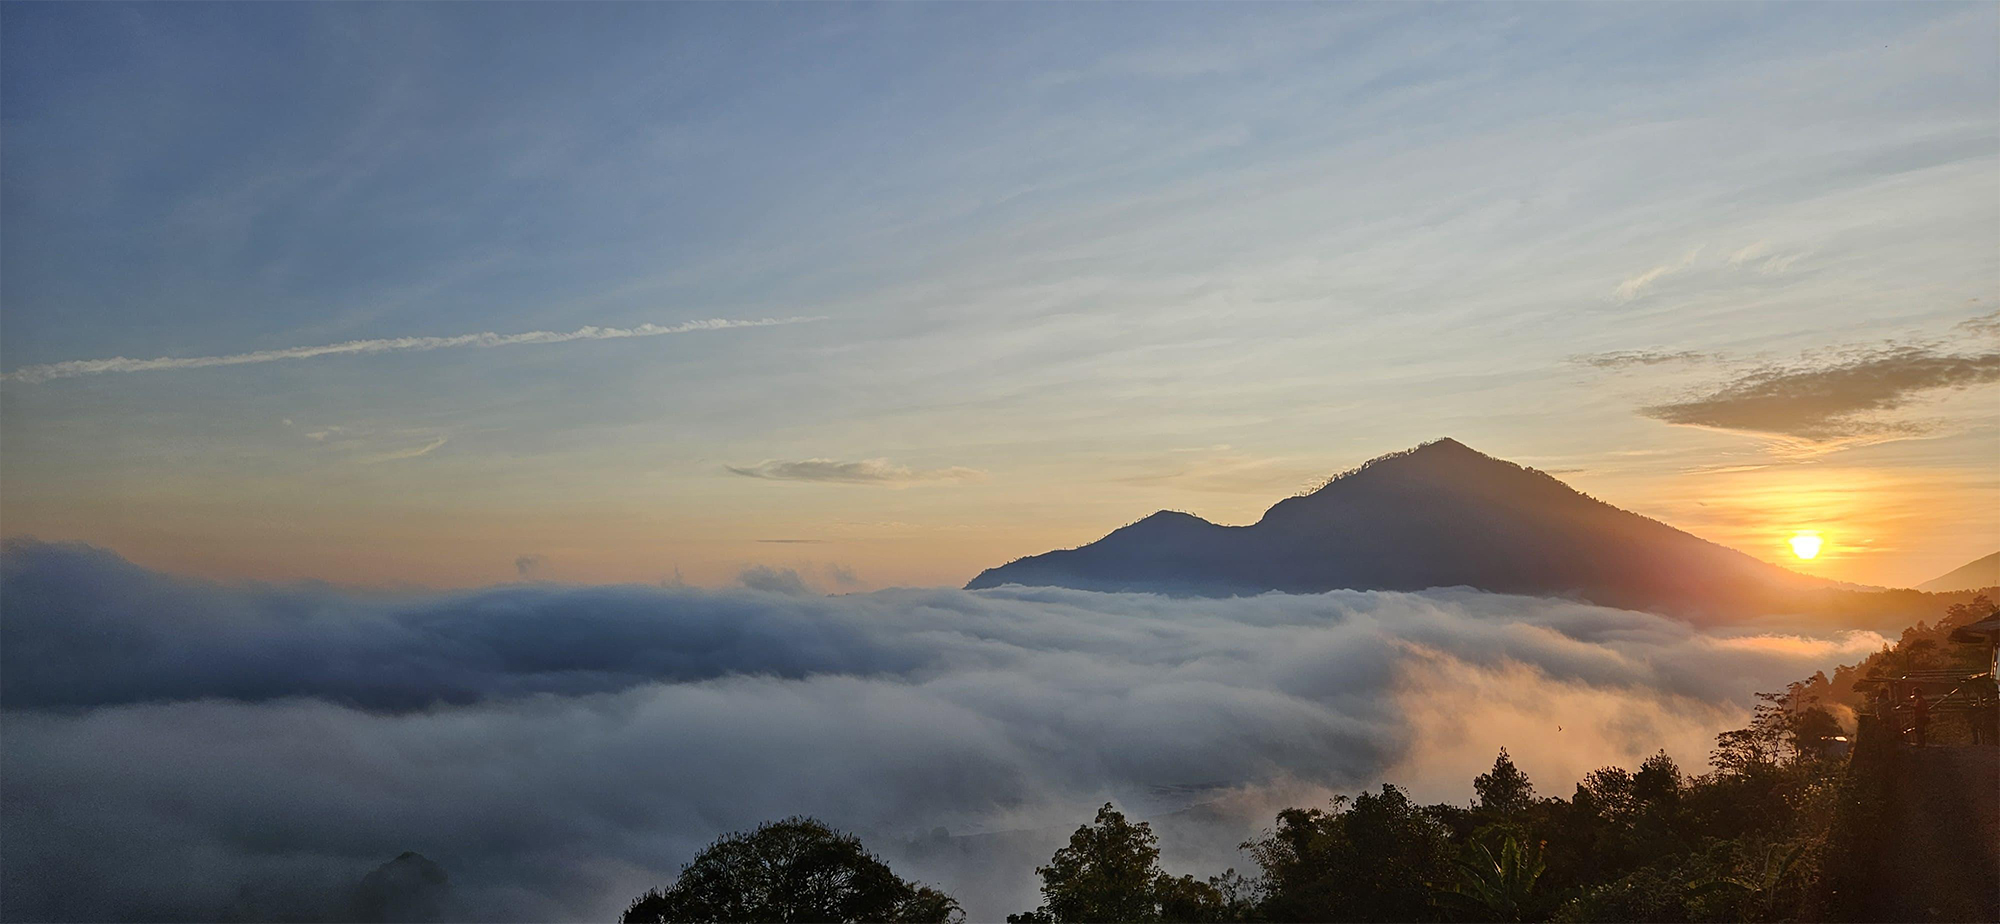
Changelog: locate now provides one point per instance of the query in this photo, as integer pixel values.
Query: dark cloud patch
(1831, 400)
(865, 471)
(176, 748)
(526, 565)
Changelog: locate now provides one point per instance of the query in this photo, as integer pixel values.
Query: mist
(173, 748)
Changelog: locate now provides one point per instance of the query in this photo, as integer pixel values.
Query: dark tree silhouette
(1505, 790)
(1658, 782)
(1110, 871)
(1496, 881)
(795, 870)
(1377, 858)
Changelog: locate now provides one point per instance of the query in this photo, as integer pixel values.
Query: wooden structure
(1985, 701)
(1955, 695)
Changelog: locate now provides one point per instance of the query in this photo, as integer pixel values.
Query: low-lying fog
(175, 748)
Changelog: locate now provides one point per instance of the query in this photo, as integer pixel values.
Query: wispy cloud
(1986, 325)
(76, 367)
(1830, 401)
(865, 471)
(1631, 288)
(1749, 253)
(1624, 358)
(409, 453)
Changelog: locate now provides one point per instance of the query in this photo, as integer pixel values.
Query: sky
(453, 295)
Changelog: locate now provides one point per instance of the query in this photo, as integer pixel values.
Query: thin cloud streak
(866, 471)
(1631, 288)
(1986, 325)
(410, 453)
(77, 367)
(1625, 358)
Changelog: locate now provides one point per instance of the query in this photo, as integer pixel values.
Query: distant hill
(1443, 515)
(1974, 576)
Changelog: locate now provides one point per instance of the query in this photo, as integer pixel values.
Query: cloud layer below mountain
(173, 748)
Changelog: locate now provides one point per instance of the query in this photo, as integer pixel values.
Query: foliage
(1504, 790)
(1782, 828)
(1110, 871)
(1376, 859)
(1499, 884)
(793, 870)
(1756, 891)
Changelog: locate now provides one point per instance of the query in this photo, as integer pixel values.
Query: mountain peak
(1439, 514)
(1444, 444)
(1443, 451)
(1441, 465)
(1164, 522)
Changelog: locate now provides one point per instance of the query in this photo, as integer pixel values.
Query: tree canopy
(1783, 827)
(793, 871)
(1110, 871)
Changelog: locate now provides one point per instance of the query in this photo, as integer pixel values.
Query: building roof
(1986, 630)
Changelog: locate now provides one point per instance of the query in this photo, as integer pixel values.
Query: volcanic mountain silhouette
(1439, 515)
(1972, 576)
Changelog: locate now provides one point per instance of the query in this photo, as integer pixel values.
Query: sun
(1805, 544)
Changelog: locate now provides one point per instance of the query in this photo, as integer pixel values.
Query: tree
(1505, 790)
(1499, 884)
(1756, 892)
(1609, 793)
(1658, 782)
(1811, 728)
(1110, 871)
(794, 870)
(1376, 858)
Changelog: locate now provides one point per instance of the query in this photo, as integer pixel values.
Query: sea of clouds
(177, 749)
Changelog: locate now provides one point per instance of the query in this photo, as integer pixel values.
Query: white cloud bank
(76, 367)
(173, 747)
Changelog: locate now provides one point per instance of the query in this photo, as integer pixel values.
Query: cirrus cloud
(865, 471)
(1621, 359)
(488, 339)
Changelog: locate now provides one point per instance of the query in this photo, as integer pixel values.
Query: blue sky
(1068, 264)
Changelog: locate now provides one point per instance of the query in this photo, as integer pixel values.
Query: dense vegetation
(793, 870)
(1774, 831)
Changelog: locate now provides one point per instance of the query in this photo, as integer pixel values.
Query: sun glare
(1805, 545)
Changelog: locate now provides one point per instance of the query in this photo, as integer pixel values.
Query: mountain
(1974, 576)
(1439, 515)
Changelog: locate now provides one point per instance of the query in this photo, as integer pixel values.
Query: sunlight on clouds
(1847, 645)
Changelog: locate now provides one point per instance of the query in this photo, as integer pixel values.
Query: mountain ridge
(1978, 574)
(1439, 514)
